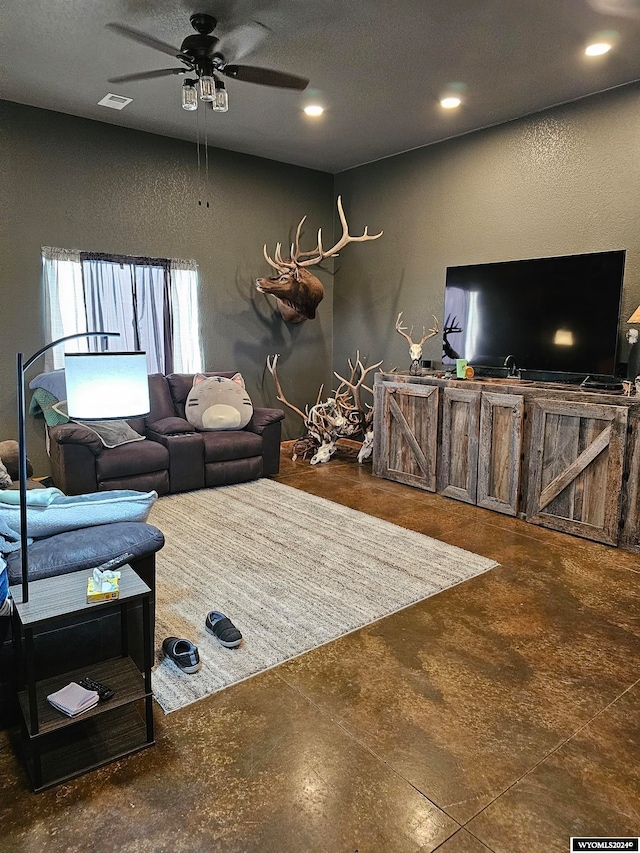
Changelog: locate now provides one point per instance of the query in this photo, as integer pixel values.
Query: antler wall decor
(415, 349)
(297, 291)
(451, 327)
(342, 415)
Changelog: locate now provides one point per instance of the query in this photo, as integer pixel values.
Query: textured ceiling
(379, 68)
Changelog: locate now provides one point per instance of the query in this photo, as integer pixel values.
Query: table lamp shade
(106, 385)
(635, 317)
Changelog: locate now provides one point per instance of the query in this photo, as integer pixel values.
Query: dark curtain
(132, 296)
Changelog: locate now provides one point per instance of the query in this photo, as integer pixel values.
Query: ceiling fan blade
(143, 38)
(242, 40)
(265, 77)
(148, 75)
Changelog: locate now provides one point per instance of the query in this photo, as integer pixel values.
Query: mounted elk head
(297, 291)
(415, 349)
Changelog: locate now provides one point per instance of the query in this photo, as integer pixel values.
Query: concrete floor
(500, 715)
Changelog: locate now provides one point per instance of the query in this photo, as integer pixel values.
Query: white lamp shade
(106, 385)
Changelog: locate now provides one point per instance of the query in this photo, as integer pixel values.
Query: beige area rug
(291, 570)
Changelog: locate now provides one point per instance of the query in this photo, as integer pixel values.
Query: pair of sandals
(185, 654)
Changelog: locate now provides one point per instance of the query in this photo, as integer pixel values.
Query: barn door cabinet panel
(576, 467)
(458, 458)
(406, 433)
(630, 521)
(500, 446)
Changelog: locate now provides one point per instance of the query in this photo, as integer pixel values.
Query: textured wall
(85, 185)
(560, 182)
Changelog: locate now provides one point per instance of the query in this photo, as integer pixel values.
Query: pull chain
(206, 153)
(198, 155)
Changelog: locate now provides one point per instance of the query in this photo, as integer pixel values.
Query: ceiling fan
(207, 56)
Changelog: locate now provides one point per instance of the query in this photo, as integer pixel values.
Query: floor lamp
(99, 386)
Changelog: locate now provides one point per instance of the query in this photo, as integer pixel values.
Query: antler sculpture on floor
(415, 349)
(297, 291)
(342, 415)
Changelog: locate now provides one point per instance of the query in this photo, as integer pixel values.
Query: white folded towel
(73, 699)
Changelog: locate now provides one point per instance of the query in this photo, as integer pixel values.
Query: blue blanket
(9, 538)
(50, 511)
(9, 541)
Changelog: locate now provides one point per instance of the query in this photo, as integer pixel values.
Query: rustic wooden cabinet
(576, 466)
(458, 453)
(557, 455)
(407, 434)
(500, 447)
(479, 454)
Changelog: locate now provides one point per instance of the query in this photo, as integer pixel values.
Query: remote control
(102, 690)
(115, 562)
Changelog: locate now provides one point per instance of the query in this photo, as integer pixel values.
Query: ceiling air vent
(116, 102)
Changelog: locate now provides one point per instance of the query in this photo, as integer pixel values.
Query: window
(152, 302)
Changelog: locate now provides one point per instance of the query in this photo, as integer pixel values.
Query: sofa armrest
(73, 450)
(73, 433)
(263, 418)
(267, 423)
(171, 426)
(186, 457)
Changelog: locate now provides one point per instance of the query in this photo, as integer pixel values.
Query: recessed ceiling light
(450, 103)
(314, 110)
(598, 49)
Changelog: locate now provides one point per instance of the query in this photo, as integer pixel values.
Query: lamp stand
(22, 477)
(21, 368)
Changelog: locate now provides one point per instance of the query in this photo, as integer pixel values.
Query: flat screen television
(557, 315)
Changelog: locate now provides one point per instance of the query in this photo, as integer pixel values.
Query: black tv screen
(558, 315)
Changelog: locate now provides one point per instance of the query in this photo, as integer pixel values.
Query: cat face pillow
(215, 402)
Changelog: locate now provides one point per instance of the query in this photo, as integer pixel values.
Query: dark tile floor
(500, 715)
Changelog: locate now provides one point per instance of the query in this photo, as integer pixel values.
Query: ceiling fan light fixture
(450, 103)
(221, 99)
(203, 55)
(313, 110)
(189, 96)
(207, 88)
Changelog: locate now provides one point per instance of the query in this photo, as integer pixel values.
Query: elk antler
(320, 254)
(314, 256)
(355, 387)
(272, 366)
(278, 264)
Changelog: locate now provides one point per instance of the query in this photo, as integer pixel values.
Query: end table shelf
(121, 674)
(58, 747)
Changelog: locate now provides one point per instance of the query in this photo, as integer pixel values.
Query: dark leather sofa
(173, 457)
